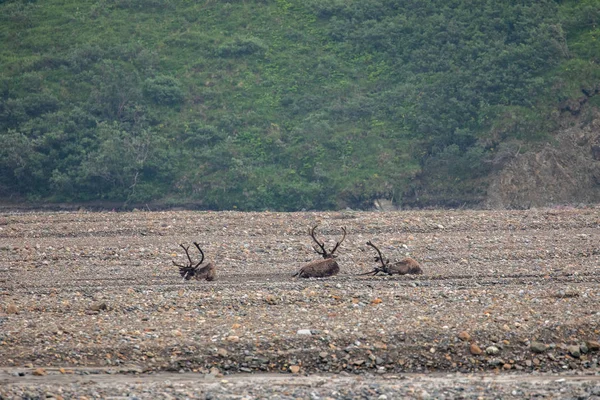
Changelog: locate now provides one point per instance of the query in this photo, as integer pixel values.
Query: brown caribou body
(407, 266)
(196, 272)
(328, 266)
(319, 269)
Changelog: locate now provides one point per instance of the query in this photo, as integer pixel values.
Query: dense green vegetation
(280, 104)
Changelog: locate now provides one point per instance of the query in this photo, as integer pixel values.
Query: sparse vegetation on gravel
(513, 292)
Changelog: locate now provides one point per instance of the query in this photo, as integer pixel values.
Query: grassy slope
(297, 115)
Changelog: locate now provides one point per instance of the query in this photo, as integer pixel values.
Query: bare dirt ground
(508, 306)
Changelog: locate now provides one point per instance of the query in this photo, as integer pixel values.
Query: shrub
(164, 90)
(242, 46)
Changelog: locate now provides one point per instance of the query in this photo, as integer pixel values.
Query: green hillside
(281, 104)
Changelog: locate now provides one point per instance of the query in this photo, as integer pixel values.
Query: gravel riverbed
(92, 306)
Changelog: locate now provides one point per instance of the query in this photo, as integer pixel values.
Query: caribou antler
(384, 264)
(188, 256)
(323, 252)
(340, 242)
(201, 253)
(380, 257)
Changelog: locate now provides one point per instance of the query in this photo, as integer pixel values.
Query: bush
(164, 90)
(242, 46)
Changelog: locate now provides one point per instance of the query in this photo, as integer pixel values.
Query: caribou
(196, 272)
(407, 266)
(328, 266)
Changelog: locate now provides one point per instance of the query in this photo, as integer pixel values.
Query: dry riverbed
(504, 294)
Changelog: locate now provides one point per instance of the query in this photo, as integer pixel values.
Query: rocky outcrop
(564, 172)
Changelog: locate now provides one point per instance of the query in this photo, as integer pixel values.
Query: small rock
(593, 345)
(380, 345)
(233, 339)
(306, 332)
(294, 369)
(538, 347)
(492, 350)
(574, 351)
(99, 307)
(222, 352)
(495, 362)
(476, 350)
(270, 299)
(39, 372)
(464, 336)
(12, 309)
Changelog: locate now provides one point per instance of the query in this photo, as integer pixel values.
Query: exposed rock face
(564, 172)
(384, 205)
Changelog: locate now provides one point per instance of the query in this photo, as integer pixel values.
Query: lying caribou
(328, 266)
(402, 267)
(193, 271)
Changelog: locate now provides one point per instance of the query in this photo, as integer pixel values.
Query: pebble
(538, 347)
(222, 352)
(574, 351)
(98, 307)
(475, 350)
(12, 309)
(593, 345)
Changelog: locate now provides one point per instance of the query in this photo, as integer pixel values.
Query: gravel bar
(509, 301)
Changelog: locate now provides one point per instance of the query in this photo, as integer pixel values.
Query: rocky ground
(508, 306)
